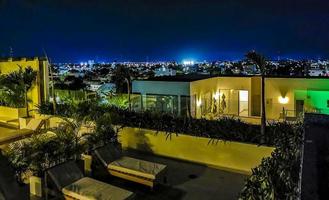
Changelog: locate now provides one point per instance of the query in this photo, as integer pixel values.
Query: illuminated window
(243, 103)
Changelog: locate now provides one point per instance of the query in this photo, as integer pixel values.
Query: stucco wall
(231, 156)
(286, 87)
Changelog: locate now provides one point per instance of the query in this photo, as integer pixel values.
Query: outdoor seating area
(136, 170)
(185, 180)
(69, 180)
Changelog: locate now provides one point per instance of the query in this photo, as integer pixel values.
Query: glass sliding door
(243, 103)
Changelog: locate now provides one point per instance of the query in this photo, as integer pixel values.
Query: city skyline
(72, 31)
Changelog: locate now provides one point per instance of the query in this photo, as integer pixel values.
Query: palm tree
(260, 61)
(28, 77)
(122, 77)
(16, 85)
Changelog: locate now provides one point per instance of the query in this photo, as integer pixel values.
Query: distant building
(164, 71)
(169, 94)
(212, 97)
(93, 85)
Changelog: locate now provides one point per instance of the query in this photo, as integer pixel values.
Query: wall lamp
(198, 102)
(283, 100)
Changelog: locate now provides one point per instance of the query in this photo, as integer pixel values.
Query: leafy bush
(35, 154)
(277, 177)
(226, 128)
(14, 87)
(103, 133)
(65, 142)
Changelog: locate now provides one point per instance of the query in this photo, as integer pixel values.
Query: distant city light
(188, 62)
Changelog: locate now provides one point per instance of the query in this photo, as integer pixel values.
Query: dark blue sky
(76, 30)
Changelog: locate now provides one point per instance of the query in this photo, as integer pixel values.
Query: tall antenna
(11, 52)
(52, 82)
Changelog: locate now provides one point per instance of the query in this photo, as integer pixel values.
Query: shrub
(226, 128)
(277, 176)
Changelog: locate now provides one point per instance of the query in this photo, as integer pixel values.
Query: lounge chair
(132, 169)
(69, 180)
(32, 127)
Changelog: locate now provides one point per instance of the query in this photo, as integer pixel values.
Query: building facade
(241, 96)
(213, 97)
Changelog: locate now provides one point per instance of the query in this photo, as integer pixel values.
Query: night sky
(140, 30)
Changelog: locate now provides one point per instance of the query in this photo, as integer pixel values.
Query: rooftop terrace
(185, 180)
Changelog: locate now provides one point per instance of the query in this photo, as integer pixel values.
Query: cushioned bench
(132, 169)
(69, 180)
(90, 189)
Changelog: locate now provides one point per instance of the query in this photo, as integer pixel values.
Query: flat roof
(189, 77)
(196, 77)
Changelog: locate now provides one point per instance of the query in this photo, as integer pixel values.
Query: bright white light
(198, 102)
(243, 95)
(283, 100)
(188, 62)
(217, 95)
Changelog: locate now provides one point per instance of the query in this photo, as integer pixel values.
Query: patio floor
(185, 181)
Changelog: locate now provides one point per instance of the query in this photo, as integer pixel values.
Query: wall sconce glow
(283, 100)
(198, 103)
(217, 95)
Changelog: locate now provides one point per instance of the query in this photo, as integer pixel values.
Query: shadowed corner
(143, 143)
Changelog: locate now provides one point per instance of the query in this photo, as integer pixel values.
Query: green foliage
(120, 101)
(14, 87)
(103, 133)
(43, 151)
(65, 142)
(258, 60)
(226, 128)
(277, 177)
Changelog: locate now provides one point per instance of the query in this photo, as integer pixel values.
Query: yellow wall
(286, 87)
(34, 94)
(12, 113)
(274, 88)
(202, 87)
(232, 156)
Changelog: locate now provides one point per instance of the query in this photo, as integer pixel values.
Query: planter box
(36, 186)
(231, 156)
(23, 122)
(12, 113)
